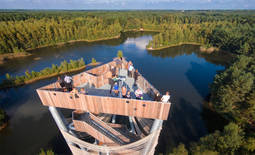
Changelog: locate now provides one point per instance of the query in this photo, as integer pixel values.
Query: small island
(33, 76)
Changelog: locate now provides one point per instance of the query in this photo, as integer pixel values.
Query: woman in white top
(166, 98)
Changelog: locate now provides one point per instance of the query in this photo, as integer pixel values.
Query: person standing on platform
(113, 71)
(128, 65)
(112, 81)
(116, 89)
(130, 70)
(157, 97)
(124, 92)
(68, 82)
(60, 83)
(128, 94)
(165, 98)
(136, 74)
(139, 94)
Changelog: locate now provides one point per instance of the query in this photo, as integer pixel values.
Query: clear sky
(127, 4)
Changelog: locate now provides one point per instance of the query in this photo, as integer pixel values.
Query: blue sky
(127, 4)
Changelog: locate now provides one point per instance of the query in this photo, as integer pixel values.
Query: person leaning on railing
(139, 94)
(157, 97)
(165, 98)
(136, 74)
(68, 82)
(124, 91)
(60, 84)
(128, 96)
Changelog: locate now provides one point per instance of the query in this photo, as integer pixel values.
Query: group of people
(165, 98)
(115, 87)
(125, 92)
(66, 83)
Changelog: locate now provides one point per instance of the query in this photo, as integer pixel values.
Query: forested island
(232, 92)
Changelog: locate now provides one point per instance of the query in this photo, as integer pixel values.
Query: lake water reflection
(183, 70)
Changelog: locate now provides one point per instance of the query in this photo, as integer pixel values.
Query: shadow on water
(183, 126)
(218, 57)
(200, 76)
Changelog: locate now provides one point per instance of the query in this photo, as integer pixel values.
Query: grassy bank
(30, 77)
(6, 56)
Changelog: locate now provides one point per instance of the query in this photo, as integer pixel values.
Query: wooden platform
(93, 111)
(101, 102)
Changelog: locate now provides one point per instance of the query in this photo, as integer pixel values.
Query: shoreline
(174, 45)
(72, 41)
(7, 56)
(50, 76)
(139, 30)
(202, 48)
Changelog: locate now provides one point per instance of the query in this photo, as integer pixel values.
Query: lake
(184, 71)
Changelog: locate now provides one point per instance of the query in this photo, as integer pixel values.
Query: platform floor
(105, 90)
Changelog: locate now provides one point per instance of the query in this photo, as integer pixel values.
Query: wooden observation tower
(94, 127)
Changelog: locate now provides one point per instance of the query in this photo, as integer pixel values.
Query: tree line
(19, 36)
(24, 30)
(231, 36)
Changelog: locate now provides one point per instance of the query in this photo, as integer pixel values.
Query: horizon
(127, 5)
(127, 9)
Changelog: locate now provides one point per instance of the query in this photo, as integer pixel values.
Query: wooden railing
(146, 86)
(108, 105)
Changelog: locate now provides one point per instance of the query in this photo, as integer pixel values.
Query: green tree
(93, 61)
(7, 76)
(250, 144)
(120, 54)
(180, 150)
(81, 62)
(47, 152)
(226, 142)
